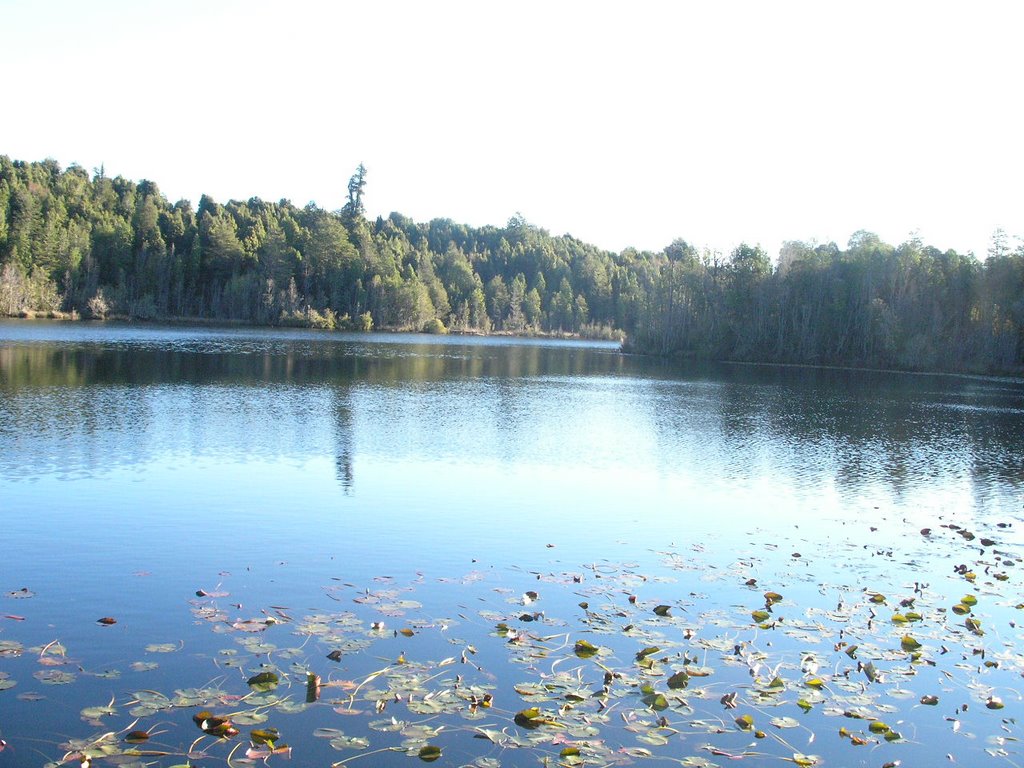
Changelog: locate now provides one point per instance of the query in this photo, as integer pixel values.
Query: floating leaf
(678, 681)
(213, 593)
(878, 727)
(341, 741)
(263, 753)
(214, 725)
(95, 713)
(585, 650)
(656, 701)
(264, 736)
(908, 643)
(54, 677)
(662, 610)
(10, 648)
(429, 753)
(772, 597)
(930, 701)
(530, 718)
(264, 681)
(745, 722)
(760, 615)
(162, 647)
(806, 761)
(312, 687)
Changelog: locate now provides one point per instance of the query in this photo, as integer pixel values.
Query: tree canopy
(98, 246)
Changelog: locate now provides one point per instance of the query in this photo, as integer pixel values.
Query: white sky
(620, 123)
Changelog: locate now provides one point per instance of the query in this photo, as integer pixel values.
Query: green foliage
(910, 307)
(101, 246)
(354, 207)
(434, 326)
(24, 294)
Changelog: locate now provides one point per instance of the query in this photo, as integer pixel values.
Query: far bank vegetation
(75, 244)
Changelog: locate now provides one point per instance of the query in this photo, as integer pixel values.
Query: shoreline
(1015, 377)
(206, 322)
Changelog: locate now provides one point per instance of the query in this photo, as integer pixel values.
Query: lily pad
(162, 647)
(585, 650)
(429, 753)
(264, 681)
(908, 643)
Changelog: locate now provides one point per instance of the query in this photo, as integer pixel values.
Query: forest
(90, 246)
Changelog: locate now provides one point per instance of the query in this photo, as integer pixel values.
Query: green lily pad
(908, 643)
(585, 650)
(678, 681)
(429, 753)
(264, 681)
(656, 701)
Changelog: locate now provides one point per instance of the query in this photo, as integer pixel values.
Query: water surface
(302, 470)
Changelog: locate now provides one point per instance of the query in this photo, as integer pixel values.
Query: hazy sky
(620, 123)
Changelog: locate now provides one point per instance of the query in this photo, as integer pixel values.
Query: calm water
(295, 474)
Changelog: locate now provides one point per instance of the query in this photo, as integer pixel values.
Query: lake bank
(204, 322)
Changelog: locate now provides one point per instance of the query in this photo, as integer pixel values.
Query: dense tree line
(911, 306)
(99, 246)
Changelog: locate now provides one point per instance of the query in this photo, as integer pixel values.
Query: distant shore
(227, 322)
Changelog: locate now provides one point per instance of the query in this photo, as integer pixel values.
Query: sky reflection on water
(138, 464)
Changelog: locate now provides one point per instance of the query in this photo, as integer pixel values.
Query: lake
(497, 552)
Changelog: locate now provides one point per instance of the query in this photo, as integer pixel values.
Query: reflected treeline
(87, 431)
(851, 428)
(344, 445)
(294, 362)
(70, 408)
